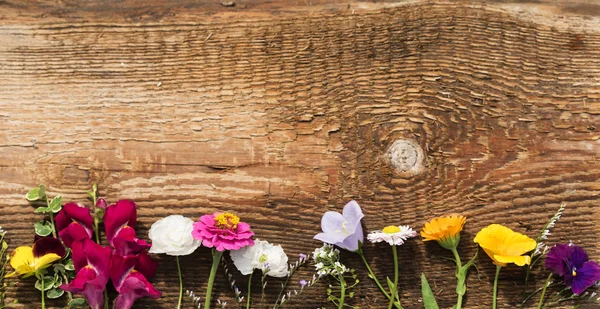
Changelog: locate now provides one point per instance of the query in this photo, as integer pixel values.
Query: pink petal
(118, 215)
(79, 214)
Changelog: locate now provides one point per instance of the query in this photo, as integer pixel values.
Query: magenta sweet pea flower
(224, 231)
(343, 230)
(129, 276)
(74, 223)
(92, 262)
(572, 263)
(119, 222)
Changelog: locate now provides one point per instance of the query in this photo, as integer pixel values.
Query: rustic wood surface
(282, 110)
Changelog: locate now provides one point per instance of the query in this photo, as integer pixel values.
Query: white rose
(173, 236)
(262, 255)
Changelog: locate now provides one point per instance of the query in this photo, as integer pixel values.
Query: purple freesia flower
(343, 230)
(572, 263)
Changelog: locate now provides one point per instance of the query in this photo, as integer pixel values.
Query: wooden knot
(406, 156)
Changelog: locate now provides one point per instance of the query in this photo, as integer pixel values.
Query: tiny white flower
(172, 235)
(393, 235)
(262, 255)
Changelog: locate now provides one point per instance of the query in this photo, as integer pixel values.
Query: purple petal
(352, 213)
(331, 222)
(351, 242)
(578, 256)
(330, 238)
(47, 245)
(586, 276)
(556, 259)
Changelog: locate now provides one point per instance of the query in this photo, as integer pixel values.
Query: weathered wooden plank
(281, 112)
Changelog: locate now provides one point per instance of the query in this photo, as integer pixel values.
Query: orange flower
(444, 230)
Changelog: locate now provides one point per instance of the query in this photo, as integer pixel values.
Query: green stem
(249, 288)
(262, 289)
(43, 296)
(66, 281)
(180, 282)
(342, 292)
(51, 217)
(498, 268)
(541, 302)
(105, 299)
(395, 292)
(458, 271)
(372, 276)
(211, 279)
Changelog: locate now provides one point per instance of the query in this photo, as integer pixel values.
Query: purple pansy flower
(572, 263)
(343, 230)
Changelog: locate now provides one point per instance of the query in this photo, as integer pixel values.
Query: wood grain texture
(280, 112)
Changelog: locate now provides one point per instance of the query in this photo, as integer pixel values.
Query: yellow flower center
(226, 221)
(574, 273)
(263, 258)
(392, 229)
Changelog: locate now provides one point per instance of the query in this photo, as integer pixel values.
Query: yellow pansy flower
(504, 246)
(27, 261)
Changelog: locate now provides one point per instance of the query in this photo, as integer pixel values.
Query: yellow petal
(46, 260)
(519, 260)
(519, 244)
(21, 256)
(504, 246)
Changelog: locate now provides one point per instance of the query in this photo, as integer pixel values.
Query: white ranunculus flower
(262, 255)
(172, 235)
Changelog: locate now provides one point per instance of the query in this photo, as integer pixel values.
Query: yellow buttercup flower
(504, 246)
(28, 261)
(444, 230)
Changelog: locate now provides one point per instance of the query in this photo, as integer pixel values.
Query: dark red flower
(74, 223)
(129, 276)
(119, 221)
(92, 264)
(101, 203)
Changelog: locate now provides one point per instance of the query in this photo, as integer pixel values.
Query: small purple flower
(303, 283)
(572, 263)
(302, 257)
(343, 230)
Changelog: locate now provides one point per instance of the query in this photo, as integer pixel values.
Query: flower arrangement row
(67, 257)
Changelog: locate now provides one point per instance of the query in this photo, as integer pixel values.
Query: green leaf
(77, 302)
(42, 210)
(43, 228)
(4, 245)
(69, 265)
(428, 297)
(390, 284)
(56, 204)
(55, 293)
(48, 283)
(36, 193)
(59, 268)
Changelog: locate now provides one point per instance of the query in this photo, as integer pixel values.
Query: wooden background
(281, 110)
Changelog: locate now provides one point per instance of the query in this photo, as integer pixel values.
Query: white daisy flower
(393, 235)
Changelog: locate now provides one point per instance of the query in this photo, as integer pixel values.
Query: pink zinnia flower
(224, 231)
